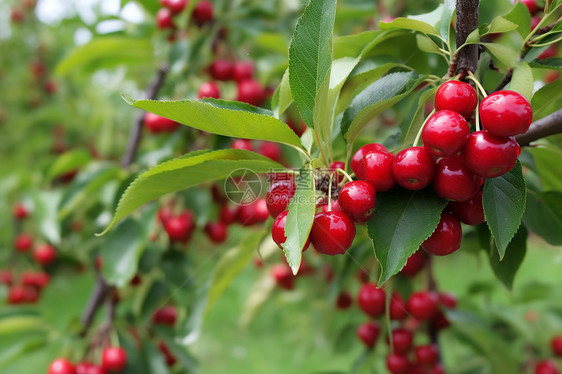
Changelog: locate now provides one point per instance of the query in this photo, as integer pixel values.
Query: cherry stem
(418, 135)
(330, 193)
(341, 171)
(477, 117)
(475, 80)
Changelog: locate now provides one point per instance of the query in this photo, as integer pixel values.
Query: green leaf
(154, 358)
(504, 205)
(282, 98)
(506, 268)
(107, 52)
(501, 25)
(375, 99)
(520, 16)
(409, 129)
(504, 54)
(552, 63)
(409, 24)
(353, 45)
(45, 213)
(223, 118)
(302, 208)
(543, 215)
(446, 17)
(21, 323)
(547, 160)
(522, 80)
(189, 170)
(69, 161)
(543, 98)
(310, 55)
(427, 44)
(401, 223)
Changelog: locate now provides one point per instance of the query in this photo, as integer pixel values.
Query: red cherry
(448, 300)
(250, 91)
(397, 364)
(298, 129)
(398, 309)
(546, 367)
(401, 340)
(278, 196)
(84, 368)
(227, 215)
(203, 12)
(23, 242)
(368, 333)
(454, 181)
(427, 354)
(556, 345)
(446, 238)
(6, 277)
(344, 300)
(20, 211)
(41, 279)
(168, 356)
(278, 231)
(505, 113)
(335, 207)
(332, 232)
(356, 163)
(164, 214)
(377, 170)
(30, 295)
(551, 51)
(531, 5)
(333, 168)
(271, 150)
(44, 254)
(253, 213)
(357, 198)
(157, 124)
(489, 156)
(445, 133)
(220, 70)
(176, 6)
(437, 369)
(423, 305)
(180, 228)
(209, 89)
(242, 144)
(283, 275)
(242, 70)
(216, 231)
(61, 366)
(371, 300)
(413, 168)
(114, 359)
(166, 315)
(457, 96)
(470, 212)
(16, 295)
(415, 264)
(164, 19)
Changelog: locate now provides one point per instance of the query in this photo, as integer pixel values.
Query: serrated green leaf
(223, 117)
(543, 215)
(401, 223)
(69, 161)
(282, 98)
(520, 16)
(502, 53)
(552, 63)
(506, 268)
(501, 25)
(544, 97)
(522, 80)
(190, 170)
(310, 55)
(302, 208)
(409, 24)
(504, 204)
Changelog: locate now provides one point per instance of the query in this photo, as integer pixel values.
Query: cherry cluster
(166, 316)
(202, 13)
(547, 366)
(113, 360)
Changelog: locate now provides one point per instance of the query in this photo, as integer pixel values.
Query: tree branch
(467, 21)
(549, 125)
(99, 294)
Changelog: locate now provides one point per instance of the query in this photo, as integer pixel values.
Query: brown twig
(549, 125)
(99, 294)
(467, 21)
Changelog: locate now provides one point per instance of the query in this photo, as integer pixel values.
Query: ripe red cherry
(221, 70)
(298, 128)
(114, 359)
(368, 333)
(423, 305)
(357, 198)
(556, 345)
(445, 133)
(250, 91)
(332, 232)
(397, 364)
(23, 242)
(398, 309)
(413, 168)
(356, 163)
(401, 340)
(531, 5)
(454, 181)
(253, 213)
(371, 300)
(278, 196)
(551, 51)
(16, 295)
(242, 70)
(61, 366)
(470, 212)
(209, 89)
(446, 238)
(157, 124)
(457, 96)
(377, 170)
(271, 150)
(278, 231)
(227, 215)
(176, 6)
(448, 300)
(427, 354)
(546, 367)
(415, 264)
(333, 167)
(20, 211)
(344, 300)
(489, 156)
(283, 276)
(216, 231)
(505, 113)
(44, 254)
(164, 19)
(242, 144)
(85, 368)
(166, 315)
(164, 214)
(203, 12)
(180, 228)
(30, 295)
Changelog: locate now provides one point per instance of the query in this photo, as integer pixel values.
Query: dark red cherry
(377, 170)
(368, 333)
(164, 19)
(253, 213)
(546, 367)
(344, 300)
(203, 12)
(489, 156)
(278, 196)
(423, 305)
(216, 231)
(250, 91)
(209, 89)
(415, 264)
(456, 96)
(448, 300)
(283, 276)
(278, 230)
(470, 212)
(445, 133)
(357, 198)
(44, 254)
(397, 364)
(332, 232)
(157, 124)
(221, 70)
(531, 5)
(505, 113)
(356, 163)
(371, 300)
(166, 315)
(401, 340)
(446, 238)
(61, 366)
(556, 345)
(398, 309)
(427, 354)
(242, 70)
(454, 181)
(413, 168)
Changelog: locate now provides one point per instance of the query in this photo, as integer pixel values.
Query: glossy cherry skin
(356, 163)
(23, 242)
(344, 300)
(114, 359)
(446, 238)
(164, 19)
(203, 12)
(371, 300)
(398, 309)
(427, 354)
(253, 213)
(180, 228)
(278, 231)
(242, 70)
(401, 340)
(413, 168)
(278, 196)
(505, 113)
(61, 366)
(415, 264)
(158, 124)
(166, 315)
(556, 345)
(397, 364)
(531, 5)
(44, 254)
(470, 212)
(209, 89)
(445, 133)
(423, 305)
(489, 156)
(368, 333)
(546, 367)
(250, 91)
(283, 276)
(176, 6)
(457, 96)
(332, 232)
(221, 70)
(377, 170)
(216, 231)
(454, 181)
(357, 198)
